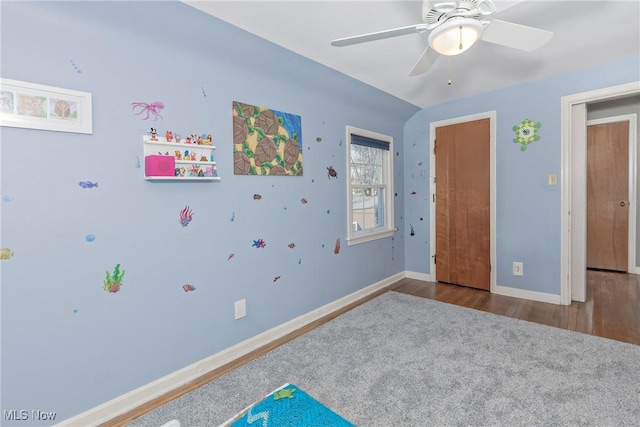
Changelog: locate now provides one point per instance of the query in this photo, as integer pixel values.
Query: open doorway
(574, 189)
(610, 241)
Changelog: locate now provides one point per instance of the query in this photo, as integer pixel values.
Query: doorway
(573, 200)
(608, 194)
(463, 200)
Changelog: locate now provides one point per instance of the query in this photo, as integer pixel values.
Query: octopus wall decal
(152, 109)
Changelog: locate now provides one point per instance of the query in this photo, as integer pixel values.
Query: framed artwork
(36, 106)
(266, 141)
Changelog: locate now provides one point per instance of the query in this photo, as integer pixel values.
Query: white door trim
(573, 190)
(631, 197)
(491, 115)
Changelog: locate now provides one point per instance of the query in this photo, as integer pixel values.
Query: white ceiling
(586, 33)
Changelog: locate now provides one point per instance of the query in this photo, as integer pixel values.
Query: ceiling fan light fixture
(455, 36)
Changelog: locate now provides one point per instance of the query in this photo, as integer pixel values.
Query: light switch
(552, 179)
(240, 308)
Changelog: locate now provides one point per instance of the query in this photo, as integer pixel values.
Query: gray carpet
(400, 360)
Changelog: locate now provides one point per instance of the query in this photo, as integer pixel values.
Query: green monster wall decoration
(526, 133)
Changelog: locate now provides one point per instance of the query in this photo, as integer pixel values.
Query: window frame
(388, 229)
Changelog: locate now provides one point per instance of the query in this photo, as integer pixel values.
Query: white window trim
(355, 237)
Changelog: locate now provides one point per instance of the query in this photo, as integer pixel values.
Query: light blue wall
(528, 210)
(67, 345)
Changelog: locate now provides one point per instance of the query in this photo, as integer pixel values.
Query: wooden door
(608, 196)
(462, 155)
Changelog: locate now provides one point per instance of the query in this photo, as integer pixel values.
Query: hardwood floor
(611, 311)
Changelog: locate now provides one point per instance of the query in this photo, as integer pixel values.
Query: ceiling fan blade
(425, 62)
(515, 35)
(501, 5)
(378, 35)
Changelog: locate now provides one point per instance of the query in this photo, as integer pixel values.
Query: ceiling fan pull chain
(460, 46)
(449, 60)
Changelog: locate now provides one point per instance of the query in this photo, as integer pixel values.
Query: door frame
(632, 119)
(491, 115)
(573, 227)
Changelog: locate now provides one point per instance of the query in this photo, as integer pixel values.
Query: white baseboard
(144, 394)
(418, 276)
(524, 294)
(499, 290)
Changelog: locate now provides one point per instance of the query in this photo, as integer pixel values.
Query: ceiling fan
(455, 26)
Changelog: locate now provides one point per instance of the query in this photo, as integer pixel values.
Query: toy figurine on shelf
(200, 173)
(199, 141)
(208, 171)
(178, 155)
(208, 139)
(169, 136)
(181, 172)
(192, 156)
(188, 140)
(154, 134)
(178, 138)
(195, 170)
(203, 158)
(186, 155)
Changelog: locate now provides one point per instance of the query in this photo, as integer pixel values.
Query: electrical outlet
(240, 308)
(552, 179)
(518, 268)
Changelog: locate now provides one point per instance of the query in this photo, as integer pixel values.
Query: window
(370, 192)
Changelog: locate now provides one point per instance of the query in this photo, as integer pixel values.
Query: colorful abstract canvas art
(265, 141)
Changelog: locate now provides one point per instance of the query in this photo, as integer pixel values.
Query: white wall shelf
(173, 161)
(186, 178)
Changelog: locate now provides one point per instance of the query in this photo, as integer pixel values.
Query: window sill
(367, 237)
